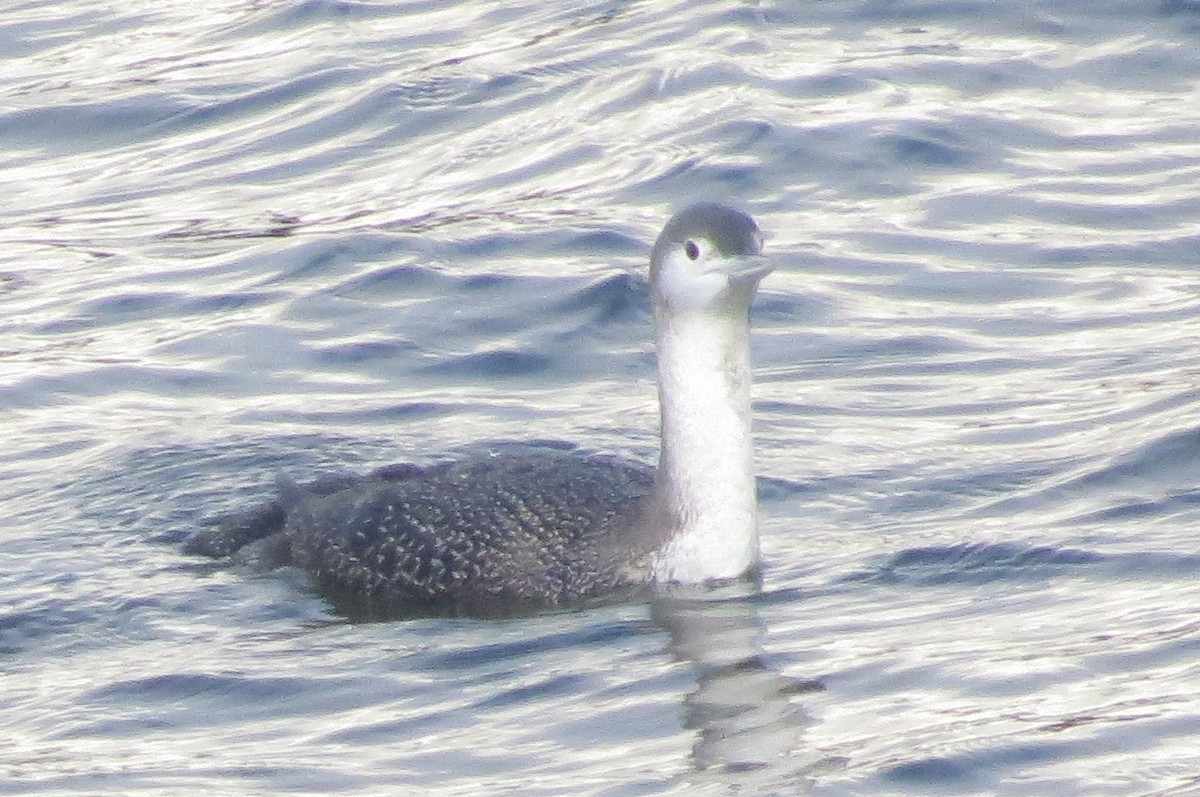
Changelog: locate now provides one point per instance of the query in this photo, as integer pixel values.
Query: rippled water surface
(240, 239)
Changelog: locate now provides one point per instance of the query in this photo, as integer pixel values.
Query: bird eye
(691, 249)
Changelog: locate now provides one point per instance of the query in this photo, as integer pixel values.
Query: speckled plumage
(492, 531)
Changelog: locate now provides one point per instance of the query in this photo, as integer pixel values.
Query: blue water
(304, 237)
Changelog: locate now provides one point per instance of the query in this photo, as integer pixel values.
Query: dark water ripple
(315, 237)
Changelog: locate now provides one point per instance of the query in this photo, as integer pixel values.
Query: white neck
(706, 470)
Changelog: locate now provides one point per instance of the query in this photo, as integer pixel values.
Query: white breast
(706, 466)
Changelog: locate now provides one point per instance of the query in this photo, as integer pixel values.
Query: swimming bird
(513, 526)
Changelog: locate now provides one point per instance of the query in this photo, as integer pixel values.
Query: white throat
(706, 470)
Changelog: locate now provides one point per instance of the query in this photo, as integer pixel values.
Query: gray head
(708, 258)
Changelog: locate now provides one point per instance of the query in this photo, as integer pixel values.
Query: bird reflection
(747, 717)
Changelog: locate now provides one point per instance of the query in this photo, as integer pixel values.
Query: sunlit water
(248, 238)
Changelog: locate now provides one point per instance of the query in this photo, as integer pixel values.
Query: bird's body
(527, 526)
(542, 526)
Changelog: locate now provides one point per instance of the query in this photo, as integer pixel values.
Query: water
(318, 236)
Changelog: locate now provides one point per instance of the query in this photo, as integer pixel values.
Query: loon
(525, 525)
